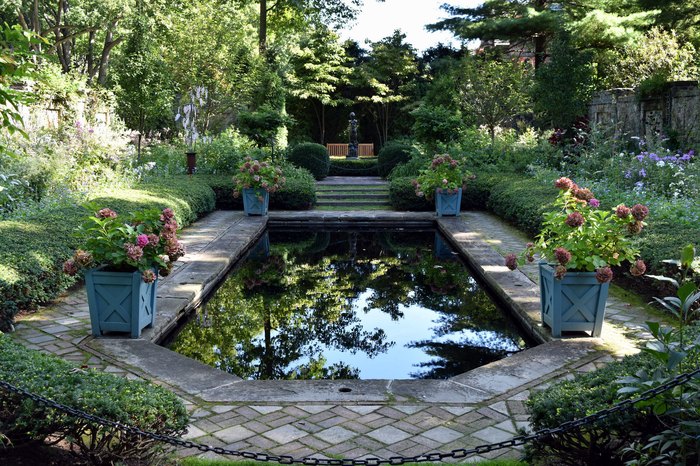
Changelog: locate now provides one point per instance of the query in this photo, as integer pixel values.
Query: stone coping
(222, 238)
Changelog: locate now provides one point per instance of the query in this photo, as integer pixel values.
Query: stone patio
(348, 419)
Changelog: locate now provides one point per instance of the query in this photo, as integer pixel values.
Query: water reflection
(349, 304)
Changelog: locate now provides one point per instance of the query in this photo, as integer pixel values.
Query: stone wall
(675, 112)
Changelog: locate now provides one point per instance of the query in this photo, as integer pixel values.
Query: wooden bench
(341, 150)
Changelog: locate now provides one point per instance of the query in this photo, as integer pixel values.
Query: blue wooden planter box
(442, 249)
(576, 303)
(448, 204)
(255, 201)
(120, 302)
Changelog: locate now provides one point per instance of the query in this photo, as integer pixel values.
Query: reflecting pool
(349, 304)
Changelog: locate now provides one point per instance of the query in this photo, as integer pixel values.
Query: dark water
(344, 304)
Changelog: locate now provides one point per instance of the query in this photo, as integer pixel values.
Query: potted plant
(255, 181)
(123, 258)
(578, 244)
(443, 180)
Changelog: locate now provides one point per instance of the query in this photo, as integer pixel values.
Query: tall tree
(494, 92)
(83, 33)
(531, 24)
(389, 75)
(320, 67)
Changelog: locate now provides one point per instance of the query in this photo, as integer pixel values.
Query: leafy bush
(391, 155)
(521, 201)
(601, 442)
(477, 191)
(403, 196)
(311, 156)
(33, 248)
(135, 403)
(298, 193)
(353, 167)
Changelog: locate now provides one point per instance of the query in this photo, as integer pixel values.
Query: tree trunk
(91, 57)
(267, 363)
(323, 124)
(262, 32)
(110, 43)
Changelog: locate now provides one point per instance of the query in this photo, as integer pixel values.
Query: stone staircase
(352, 193)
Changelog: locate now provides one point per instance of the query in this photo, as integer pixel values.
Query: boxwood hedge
(33, 249)
(353, 167)
(135, 403)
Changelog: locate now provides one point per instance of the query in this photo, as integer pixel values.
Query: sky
(379, 20)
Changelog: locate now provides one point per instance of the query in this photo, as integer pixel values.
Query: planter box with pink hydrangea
(123, 258)
(255, 181)
(579, 243)
(443, 180)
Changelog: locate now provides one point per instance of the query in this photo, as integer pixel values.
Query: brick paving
(329, 426)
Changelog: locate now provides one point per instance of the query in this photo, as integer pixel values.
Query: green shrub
(476, 194)
(298, 193)
(313, 157)
(521, 201)
(391, 155)
(33, 248)
(403, 196)
(353, 167)
(135, 403)
(602, 442)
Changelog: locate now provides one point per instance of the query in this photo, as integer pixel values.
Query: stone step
(334, 203)
(361, 187)
(342, 196)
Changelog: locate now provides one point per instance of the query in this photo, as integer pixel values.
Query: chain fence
(396, 460)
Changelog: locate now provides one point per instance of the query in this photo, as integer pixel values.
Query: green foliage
(403, 195)
(563, 85)
(353, 167)
(298, 193)
(436, 124)
(521, 201)
(601, 442)
(262, 125)
(660, 56)
(494, 92)
(391, 155)
(33, 248)
(16, 64)
(134, 403)
(311, 156)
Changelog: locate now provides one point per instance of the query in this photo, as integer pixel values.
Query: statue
(352, 147)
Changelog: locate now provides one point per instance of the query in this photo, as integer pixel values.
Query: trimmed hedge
(33, 249)
(135, 403)
(521, 201)
(311, 156)
(403, 196)
(353, 167)
(298, 193)
(391, 155)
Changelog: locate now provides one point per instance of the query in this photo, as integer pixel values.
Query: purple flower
(639, 184)
(70, 267)
(653, 157)
(512, 261)
(594, 203)
(643, 173)
(142, 240)
(686, 157)
(575, 219)
(640, 212)
(563, 255)
(148, 276)
(628, 174)
(640, 157)
(604, 275)
(133, 252)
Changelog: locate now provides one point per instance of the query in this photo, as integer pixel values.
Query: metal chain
(396, 460)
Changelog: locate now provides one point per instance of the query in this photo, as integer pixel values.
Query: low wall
(676, 111)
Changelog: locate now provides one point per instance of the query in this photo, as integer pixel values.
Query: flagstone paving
(375, 418)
